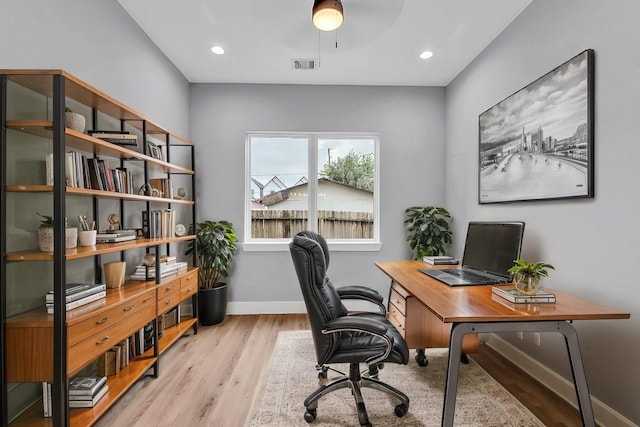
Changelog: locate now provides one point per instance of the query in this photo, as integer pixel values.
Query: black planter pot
(212, 304)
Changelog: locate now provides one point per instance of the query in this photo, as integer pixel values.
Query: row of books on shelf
(144, 272)
(159, 223)
(117, 357)
(77, 295)
(513, 295)
(96, 174)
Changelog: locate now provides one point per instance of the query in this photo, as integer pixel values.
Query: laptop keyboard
(473, 277)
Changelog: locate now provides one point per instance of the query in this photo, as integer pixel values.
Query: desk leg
(459, 330)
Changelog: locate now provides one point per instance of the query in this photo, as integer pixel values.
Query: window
(322, 182)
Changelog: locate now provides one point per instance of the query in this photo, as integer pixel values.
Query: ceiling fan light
(327, 14)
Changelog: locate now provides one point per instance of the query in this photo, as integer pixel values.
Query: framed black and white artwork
(538, 143)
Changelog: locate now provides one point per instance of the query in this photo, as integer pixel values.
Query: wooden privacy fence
(274, 223)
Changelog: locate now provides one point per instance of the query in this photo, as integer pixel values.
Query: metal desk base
(459, 330)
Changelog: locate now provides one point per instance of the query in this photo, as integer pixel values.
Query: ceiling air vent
(304, 64)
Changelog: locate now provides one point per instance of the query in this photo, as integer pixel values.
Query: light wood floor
(211, 378)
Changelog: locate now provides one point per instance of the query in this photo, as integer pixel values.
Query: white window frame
(347, 245)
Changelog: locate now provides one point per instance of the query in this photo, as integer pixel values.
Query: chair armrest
(358, 324)
(362, 293)
(350, 323)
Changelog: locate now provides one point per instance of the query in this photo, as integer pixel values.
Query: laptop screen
(493, 246)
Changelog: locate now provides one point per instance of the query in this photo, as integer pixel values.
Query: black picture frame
(538, 143)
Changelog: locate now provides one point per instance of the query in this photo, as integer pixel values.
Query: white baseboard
(604, 415)
(270, 307)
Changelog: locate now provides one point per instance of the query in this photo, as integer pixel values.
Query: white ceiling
(378, 43)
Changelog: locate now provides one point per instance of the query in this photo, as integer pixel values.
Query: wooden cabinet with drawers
(419, 327)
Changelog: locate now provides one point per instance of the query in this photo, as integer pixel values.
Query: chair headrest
(320, 240)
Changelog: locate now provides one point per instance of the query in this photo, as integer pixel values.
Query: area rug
(291, 377)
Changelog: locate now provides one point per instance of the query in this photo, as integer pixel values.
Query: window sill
(283, 245)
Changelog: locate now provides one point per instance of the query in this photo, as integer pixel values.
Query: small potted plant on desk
(527, 275)
(216, 246)
(427, 230)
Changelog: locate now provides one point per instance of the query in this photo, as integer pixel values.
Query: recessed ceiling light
(426, 54)
(218, 50)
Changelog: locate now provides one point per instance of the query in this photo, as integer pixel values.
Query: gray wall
(99, 43)
(410, 121)
(593, 242)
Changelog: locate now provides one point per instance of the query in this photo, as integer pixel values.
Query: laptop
(489, 251)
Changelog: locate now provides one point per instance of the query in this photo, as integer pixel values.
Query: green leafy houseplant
(428, 230)
(47, 221)
(527, 275)
(216, 244)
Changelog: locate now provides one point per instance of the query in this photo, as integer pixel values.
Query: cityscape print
(538, 143)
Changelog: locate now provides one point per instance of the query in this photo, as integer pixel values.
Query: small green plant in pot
(527, 275)
(215, 246)
(45, 234)
(428, 230)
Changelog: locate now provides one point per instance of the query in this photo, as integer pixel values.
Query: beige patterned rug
(292, 377)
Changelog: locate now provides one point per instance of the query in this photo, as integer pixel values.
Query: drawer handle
(128, 308)
(101, 321)
(103, 340)
(147, 299)
(188, 289)
(190, 278)
(169, 301)
(170, 287)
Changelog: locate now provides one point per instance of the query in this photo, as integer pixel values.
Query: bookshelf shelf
(46, 347)
(98, 249)
(72, 191)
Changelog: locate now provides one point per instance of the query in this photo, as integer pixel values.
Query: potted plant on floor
(527, 275)
(215, 246)
(427, 230)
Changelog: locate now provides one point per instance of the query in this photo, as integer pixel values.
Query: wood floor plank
(213, 377)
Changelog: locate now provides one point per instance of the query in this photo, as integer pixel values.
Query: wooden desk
(473, 309)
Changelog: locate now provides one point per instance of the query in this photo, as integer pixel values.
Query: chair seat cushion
(356, 347)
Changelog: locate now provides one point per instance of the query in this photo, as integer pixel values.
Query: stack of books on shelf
(439, 260)
(85, 392)
(513, 295)
(115, 236)
(96, 174)
(144, 272)
(115, 137)
(78, 295)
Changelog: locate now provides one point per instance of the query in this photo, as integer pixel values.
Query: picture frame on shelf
(538, 143)
(154, 151)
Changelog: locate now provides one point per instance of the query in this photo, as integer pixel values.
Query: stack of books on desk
(144, 272)
(85, 392)
(513, 295)
(440, 260)
(78, 295)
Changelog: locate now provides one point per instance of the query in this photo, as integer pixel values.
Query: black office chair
(340, 337)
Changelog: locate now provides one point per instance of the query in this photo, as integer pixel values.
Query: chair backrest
(310, 255)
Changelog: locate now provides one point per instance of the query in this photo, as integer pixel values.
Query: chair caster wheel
(323, 373)
(310, 415)
(401, 410)
(422, 360)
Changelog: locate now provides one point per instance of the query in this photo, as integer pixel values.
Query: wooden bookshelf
(90, 330)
